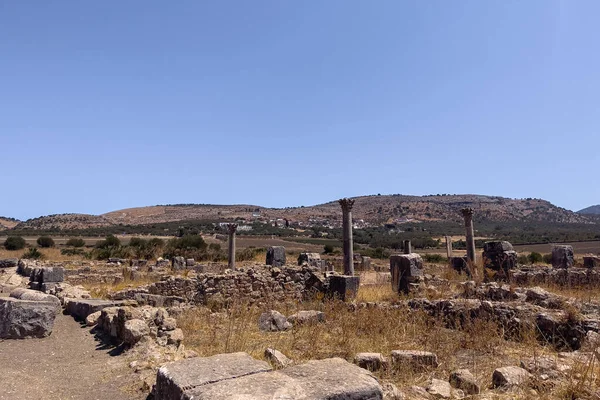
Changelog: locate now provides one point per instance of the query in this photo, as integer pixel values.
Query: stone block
(329, 379)
(33, 295)
(277, 358)
(591, 261)
(406, 269)
(81, 308)
(507, 377)
(370, 361)
(47, 274)
(276, 256)
(190, 262)
(343, 287)
(414, 359)
(463, 379)
(9, 262)
(175, 381)
(306, 317)
(308, 258)
(25, 318)
(562, 256)
(499, 256)
(178, 263)
(273, 321)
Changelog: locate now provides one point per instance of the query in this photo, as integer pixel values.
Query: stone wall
(252, 284)
(555, 276)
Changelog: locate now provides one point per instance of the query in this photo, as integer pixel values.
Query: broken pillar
(562, 256)
(467, 213)
(407, 247)
(448, 247)
(406, 270)
(231, 229)
(347, 205)
(276, 256)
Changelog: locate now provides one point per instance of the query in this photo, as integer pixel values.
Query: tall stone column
(407, 247)
(231, 228)
(449, 246)
(467, 213)
(347, 235)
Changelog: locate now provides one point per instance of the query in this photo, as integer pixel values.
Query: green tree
(14, 243)
(45, 241)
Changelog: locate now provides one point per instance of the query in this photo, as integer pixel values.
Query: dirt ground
(69, 364)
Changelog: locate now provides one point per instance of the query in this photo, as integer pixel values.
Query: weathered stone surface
(273, 321)
(81, 308)
(414, 359)
(134, 330)
(306, 317)
(329, 379)
(21, 319)
(277, 358)
(343, 287)
(47, 274)
(562, 256)
(370, 361)
(507, 377)
(178, 263)
(174, 337)
(175, 380)
(92, 319)
(414, 393)
(27, 294)
(275, 256)
(190, 262)
(499, 256)
(591, 262)
(439, 389)
(406, 269)
(463, 379)
(312, 259)
(9, 262)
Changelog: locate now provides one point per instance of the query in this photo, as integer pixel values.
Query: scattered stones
(81, 308)
(22, 319)
(275, 256)
(306, 317)
(92, 319)
(591, 262)
(439, 389)
(134, 330)
(507, 377)
(273, 321)
(414, 359)
(562, 256)
(463, 379)
(406, 269)
(313, 260)
(277, 358)
(371, 361)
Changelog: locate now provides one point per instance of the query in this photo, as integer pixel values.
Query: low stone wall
(257, 283)
(555, 276)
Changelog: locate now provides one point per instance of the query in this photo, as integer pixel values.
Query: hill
(8, 223)
(63, 222)
(373, 210)
(592, 210)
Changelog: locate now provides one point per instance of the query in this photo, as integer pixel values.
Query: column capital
(346, 204)
(467, 212)
(232, 228)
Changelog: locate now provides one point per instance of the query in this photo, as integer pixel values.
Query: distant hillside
(373, 210)
(592, 210)
(64, 221)
(8, 223)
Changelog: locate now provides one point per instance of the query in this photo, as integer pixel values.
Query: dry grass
(52, 254)
(103, 290)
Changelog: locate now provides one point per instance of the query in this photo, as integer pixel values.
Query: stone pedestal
(467, 213)
(406, 269)
(276, 256)
(562, 256)
(343, 287)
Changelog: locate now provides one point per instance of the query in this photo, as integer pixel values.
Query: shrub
(33, 254)
(75, 242)
(328, 249)
(14, 243)
(434, 258)
(73, 252)
(523, 259)
(535, 257)
(138, 242)
(45, 241)
(111, 241)
(547, 258)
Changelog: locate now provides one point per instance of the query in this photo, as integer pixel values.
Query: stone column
(407, 247)
(449, 247)
(231, 228)
(347, 235)
(467, 213)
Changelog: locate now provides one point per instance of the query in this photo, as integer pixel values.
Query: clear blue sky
(108, 104)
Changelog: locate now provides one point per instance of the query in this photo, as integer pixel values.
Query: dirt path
(69, 364)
